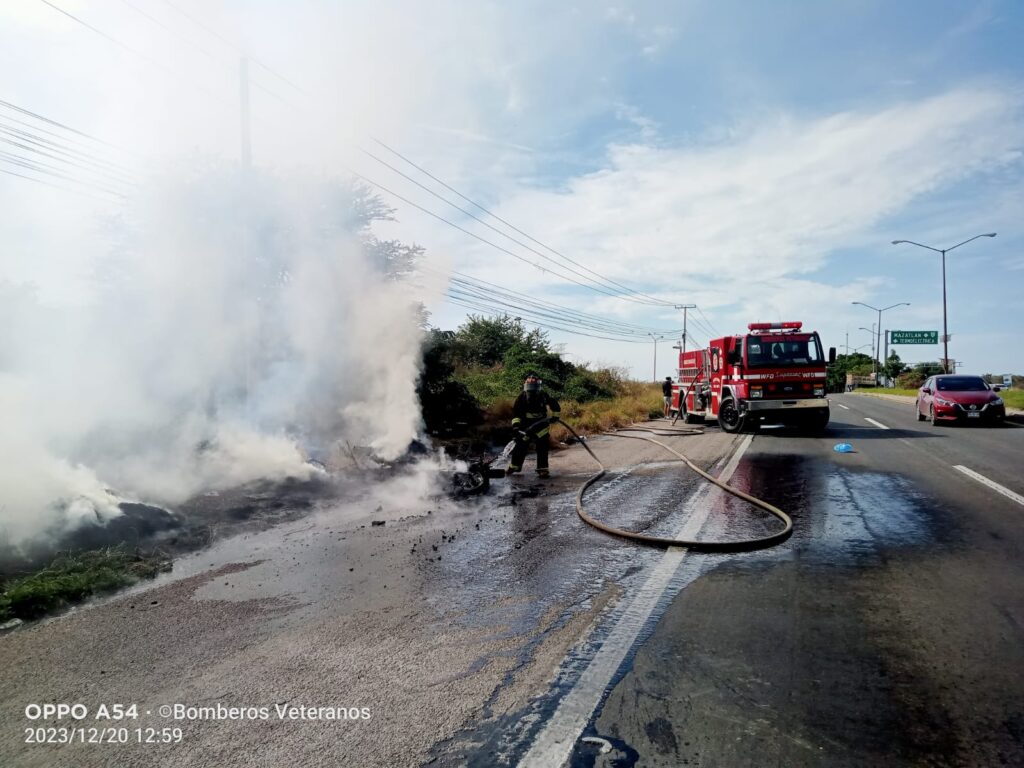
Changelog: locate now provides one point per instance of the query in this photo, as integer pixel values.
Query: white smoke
(239, 324)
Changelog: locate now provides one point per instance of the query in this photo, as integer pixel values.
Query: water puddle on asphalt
(842, 518)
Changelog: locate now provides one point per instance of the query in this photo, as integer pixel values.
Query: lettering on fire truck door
(716, 378)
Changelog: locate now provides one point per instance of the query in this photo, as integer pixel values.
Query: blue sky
(754, 158)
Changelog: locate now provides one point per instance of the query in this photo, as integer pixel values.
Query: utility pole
(246, 117)
(684, 307)
(247, 291)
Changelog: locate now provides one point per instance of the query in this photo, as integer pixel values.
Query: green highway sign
(913, 337)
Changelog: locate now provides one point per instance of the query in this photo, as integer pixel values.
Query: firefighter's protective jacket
(531, 407)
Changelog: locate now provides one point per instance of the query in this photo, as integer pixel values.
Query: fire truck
(775, 373)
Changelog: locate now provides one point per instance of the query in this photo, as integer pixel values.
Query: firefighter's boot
(543, 473)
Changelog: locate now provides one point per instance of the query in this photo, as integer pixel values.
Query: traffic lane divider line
(990, 483)
(556, 741)
(878, 424)
(845, 407)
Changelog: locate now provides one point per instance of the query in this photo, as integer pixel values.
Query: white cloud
(771, 203)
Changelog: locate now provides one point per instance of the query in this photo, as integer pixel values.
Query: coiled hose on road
(741, 545)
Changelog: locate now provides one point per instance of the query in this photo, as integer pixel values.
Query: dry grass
(638, 402)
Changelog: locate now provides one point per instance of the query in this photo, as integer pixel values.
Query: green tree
(485, 341)
(845, 364)
(893, 366)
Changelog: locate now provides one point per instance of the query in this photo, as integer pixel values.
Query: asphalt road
(889, 630)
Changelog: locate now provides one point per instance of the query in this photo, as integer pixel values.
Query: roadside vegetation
(472, 375)
(71, 578)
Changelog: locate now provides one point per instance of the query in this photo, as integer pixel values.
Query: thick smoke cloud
(239, 325)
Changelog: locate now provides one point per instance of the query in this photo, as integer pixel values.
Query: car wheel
(729, 416)
(917, 407)
(931, 416)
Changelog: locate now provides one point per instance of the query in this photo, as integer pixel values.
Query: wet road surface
(448, 623)
(889, 630)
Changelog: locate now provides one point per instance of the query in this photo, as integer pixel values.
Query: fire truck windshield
(789, 350)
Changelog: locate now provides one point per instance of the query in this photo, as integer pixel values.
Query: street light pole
(656, 340)
(945, 325)
(878, 339)
(871, 330)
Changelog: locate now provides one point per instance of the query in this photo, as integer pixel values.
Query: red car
(952, 397)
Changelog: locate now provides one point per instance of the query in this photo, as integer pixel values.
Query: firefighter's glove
(554, 419)
(521, 436)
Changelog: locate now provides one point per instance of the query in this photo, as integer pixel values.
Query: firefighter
(530, 421)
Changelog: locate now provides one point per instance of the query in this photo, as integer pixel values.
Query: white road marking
(878, 424)
(844, 407)
(991, 484)
(555, 742)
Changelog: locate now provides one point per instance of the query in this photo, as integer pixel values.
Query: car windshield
(961, 384)
(788, 350)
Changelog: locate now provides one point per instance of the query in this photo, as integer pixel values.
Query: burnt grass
(51, 575)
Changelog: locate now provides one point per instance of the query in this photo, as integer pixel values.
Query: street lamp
(945, 326)
(871, 330)
(656, 340)
(878, 340)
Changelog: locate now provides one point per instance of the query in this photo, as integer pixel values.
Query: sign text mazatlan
(913, 337)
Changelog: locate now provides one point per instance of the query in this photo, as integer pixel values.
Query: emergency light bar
(789, 326)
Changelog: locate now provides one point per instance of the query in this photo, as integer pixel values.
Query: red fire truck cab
(776, 373)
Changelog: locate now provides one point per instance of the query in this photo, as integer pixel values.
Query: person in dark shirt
(666, 391)
(530, 422)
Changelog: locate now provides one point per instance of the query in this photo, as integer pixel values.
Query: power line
(128, 48)
(47, 120)
(490, 310)
(46, 183)
(235, 48)
(472, 202)
(61, 148)
(498, 231)
(72, 162)
(173, 32)
(545, 315)
(476, 236)
(33, 165)
(228, 65)
(491, 291)
(701, 311)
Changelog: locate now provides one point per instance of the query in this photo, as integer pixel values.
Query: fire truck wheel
(729, 416)
(817, 423)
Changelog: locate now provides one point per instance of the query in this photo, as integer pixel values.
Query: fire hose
(739, 545)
